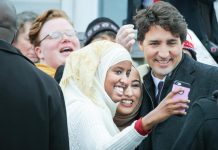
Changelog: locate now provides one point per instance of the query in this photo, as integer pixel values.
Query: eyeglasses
(57, 35)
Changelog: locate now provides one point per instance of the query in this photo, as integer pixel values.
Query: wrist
(139, 128)
(149, 121)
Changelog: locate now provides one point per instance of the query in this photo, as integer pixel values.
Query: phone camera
(178, 83)
(181, 92)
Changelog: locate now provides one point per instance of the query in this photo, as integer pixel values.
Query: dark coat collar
(8, 48)
(4, 46)
(184, 71)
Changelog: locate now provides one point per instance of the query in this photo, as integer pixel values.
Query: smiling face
(53, 52)
(162, 50)
(132, 94)
(117, 79)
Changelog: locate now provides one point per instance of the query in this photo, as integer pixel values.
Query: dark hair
(162, 14)
(110, 34)
(23, 18)
(100, 25)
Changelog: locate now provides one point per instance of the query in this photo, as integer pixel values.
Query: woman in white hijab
(93, 81)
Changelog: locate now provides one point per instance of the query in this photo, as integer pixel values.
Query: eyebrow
(171, 40)
(154, 41)
(118, 67)
(136, 80)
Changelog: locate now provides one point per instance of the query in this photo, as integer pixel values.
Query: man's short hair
(162, 14)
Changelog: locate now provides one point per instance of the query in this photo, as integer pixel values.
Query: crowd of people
(60, 94)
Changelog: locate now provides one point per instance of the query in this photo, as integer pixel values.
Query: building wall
(81, 12)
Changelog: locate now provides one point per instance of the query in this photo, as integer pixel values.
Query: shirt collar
(156, 81)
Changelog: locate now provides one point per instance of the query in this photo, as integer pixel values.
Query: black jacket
(203, 80)
(32, 109)
(200, 131)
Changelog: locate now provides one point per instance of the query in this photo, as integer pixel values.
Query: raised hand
(126, 36)
(167, 107)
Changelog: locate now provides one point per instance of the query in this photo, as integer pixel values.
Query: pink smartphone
(184, 93)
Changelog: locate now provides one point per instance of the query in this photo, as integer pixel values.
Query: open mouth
(164, 61)
(126, 102)
(66, 49)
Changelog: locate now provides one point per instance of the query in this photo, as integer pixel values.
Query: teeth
(163, 61)
(127, 101)
(119, 90)
(66, 49)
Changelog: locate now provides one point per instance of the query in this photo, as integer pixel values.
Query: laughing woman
(94, 80)
(128, 108)
(54, 38)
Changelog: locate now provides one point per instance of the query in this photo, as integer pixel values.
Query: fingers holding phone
(175, 103)
(184, 89)
(181, 90)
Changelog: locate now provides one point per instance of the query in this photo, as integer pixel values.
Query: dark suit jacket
(203, 80)
(200, 131)
(32, 109)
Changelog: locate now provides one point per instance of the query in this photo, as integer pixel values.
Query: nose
(164, 52)
(65, 37)
(124, 80)
(128, 91)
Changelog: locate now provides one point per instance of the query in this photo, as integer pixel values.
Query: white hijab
(84, 76)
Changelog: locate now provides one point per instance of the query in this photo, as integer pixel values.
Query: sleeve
(213, 81)
(209, 134)
(188, 134)
(127, 139)
(87, 130)
(58, 121)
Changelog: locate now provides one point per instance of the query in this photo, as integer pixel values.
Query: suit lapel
(183, 72)
(149, 86)
(186, 70)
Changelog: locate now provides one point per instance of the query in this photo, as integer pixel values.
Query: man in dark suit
(32, 109)
(161, 33)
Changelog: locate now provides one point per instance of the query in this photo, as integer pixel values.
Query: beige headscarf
(84, 76)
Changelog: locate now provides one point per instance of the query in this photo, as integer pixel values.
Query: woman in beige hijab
(94, 80)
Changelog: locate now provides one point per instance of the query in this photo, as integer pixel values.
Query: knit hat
(98, 25)
(188, 45)
(8, 24)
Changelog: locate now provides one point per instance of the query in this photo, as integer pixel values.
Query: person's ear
(39, 52)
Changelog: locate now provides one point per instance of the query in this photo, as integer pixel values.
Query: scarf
(49, 70)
